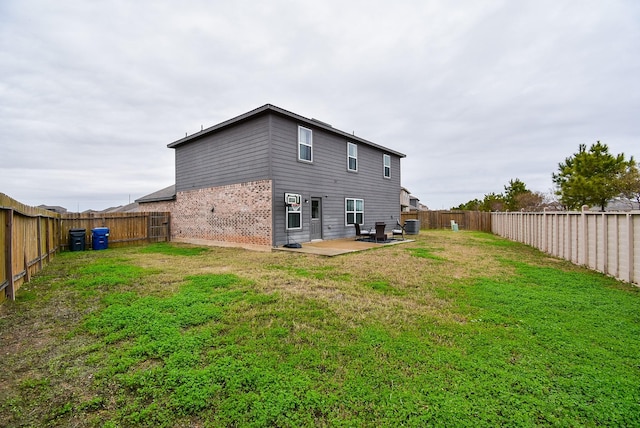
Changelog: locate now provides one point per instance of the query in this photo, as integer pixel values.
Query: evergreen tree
(512, 194)
(590, 177)
(493, 202)
(472, 205)
(630, 183)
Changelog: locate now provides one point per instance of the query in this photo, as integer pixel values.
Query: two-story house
(269, 177)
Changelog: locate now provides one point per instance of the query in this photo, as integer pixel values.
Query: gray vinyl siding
(239, 154)
(328, 178)
(265, 146)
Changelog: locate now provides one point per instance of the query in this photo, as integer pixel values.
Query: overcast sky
(475, 93)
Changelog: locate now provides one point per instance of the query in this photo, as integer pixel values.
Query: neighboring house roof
(619, 205)
(55, 208)
(111, 209)
(166, 194)
(414, 202)
(277, 110)
(132, 207)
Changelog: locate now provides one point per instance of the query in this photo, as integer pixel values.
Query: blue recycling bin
(100, 238)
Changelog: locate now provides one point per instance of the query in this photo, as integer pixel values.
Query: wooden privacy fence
(30, 237)
(608, 242)
(124, 228)
(466, 220)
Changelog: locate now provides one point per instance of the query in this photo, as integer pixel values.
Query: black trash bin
(77, 239)
(100, 238)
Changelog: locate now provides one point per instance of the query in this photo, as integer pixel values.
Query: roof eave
(283, 112)
(159, 199)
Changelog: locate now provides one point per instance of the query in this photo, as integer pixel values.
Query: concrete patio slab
(335, 247)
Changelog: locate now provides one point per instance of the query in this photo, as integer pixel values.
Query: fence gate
(159, 226)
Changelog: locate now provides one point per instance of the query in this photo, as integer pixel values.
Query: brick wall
(164, 206)
(237, 213)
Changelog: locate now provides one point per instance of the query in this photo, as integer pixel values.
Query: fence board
(606, 242)
(8, 285)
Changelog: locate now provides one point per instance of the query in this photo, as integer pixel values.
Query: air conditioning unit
(292, 199)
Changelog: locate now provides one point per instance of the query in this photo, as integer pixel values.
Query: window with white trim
(352, 157)
(353, 211)
(386, 161)
(294, 217)
(305, 144)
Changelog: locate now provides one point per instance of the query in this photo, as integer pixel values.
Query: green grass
(173, 250)
(317, 272)
(425, 253)
(459, 329)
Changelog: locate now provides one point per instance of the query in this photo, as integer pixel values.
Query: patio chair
(380, 235)
(360, 233)
(398, 230)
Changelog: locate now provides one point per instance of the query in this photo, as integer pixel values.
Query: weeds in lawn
(384, 287)
(455, 329)
(425, 253)
(173, 250)
(317, 272)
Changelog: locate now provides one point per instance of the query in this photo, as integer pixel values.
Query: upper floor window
(305, 144)
(386, 161)
(352, 157)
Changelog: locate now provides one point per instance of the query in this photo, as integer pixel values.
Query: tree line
(592, 177)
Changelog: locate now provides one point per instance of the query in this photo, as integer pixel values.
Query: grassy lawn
(455, 329)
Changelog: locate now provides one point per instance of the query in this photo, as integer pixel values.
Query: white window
(386, 161)
(352, 157)
(354, 211)
(305, 144)
(294, 217)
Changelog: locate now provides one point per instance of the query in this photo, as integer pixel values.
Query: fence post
(8, 251)
(567, 252)
(630, 243)
(555, 232)
(583, 246)
(605, 243)
(545, 231)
